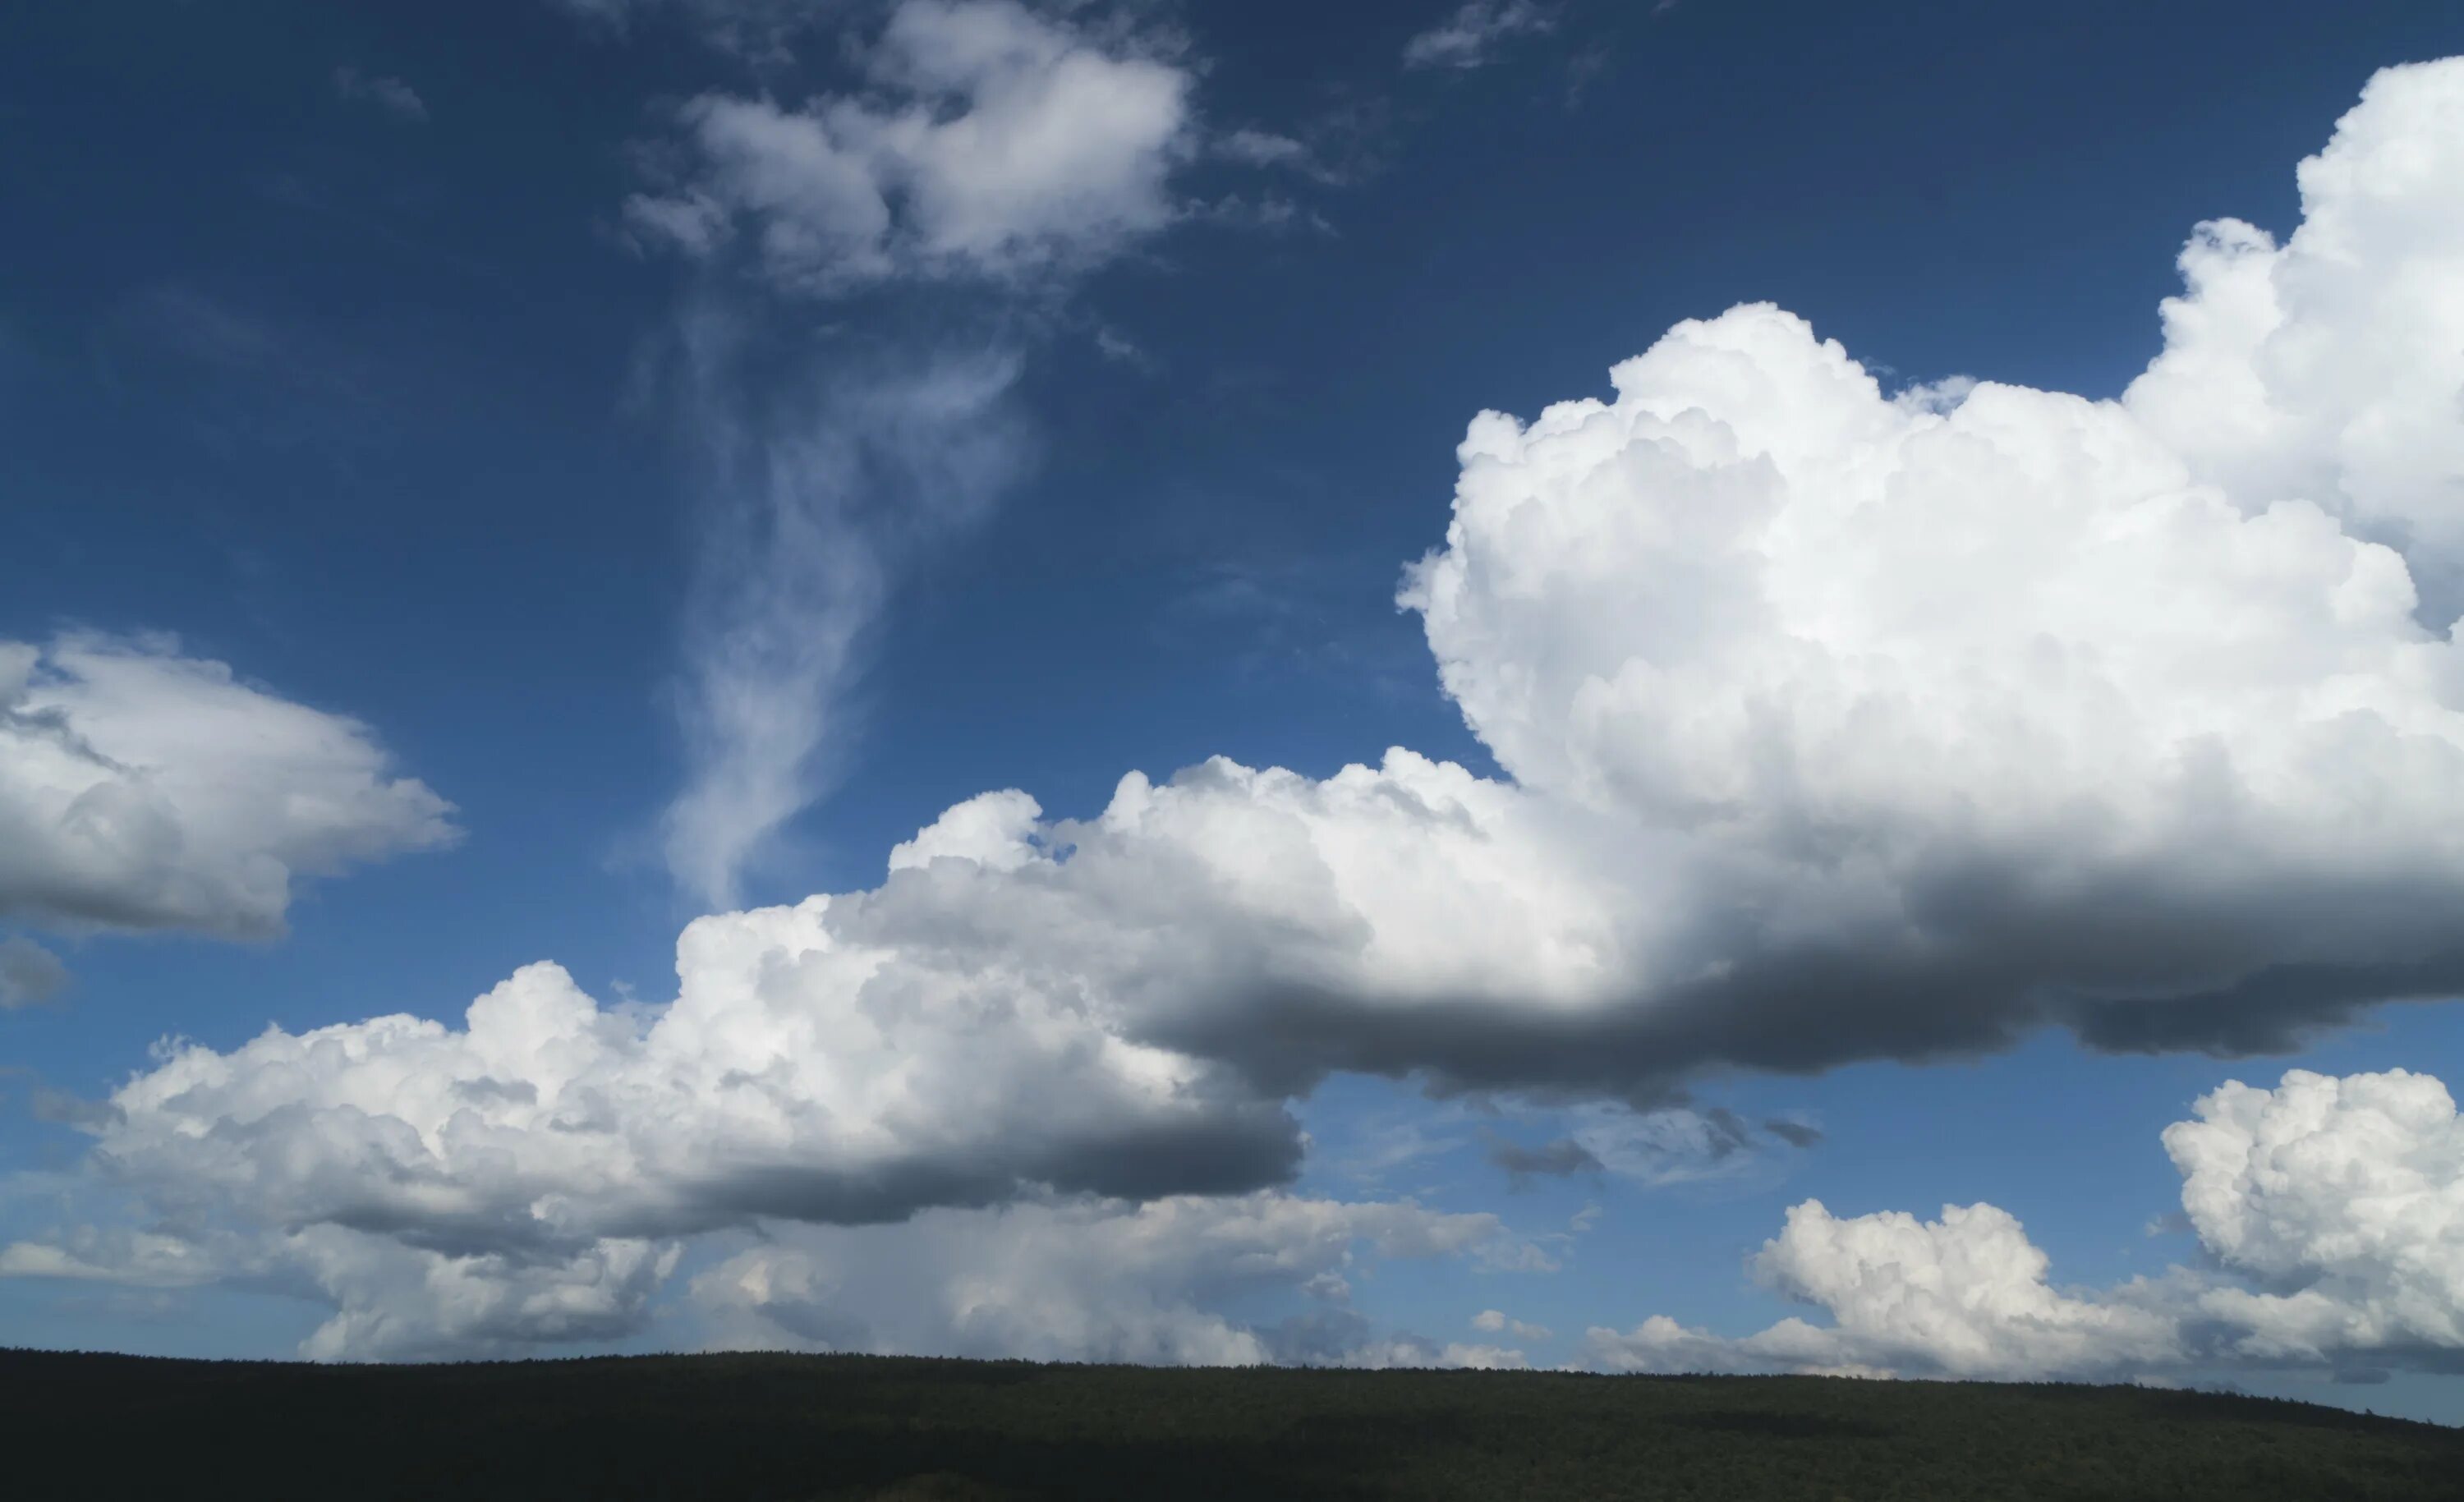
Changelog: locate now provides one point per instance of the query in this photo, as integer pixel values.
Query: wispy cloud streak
(814, 505)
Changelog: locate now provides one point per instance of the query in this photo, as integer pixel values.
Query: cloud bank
(2329, 1208)
(1837, 723)
(1089, 1281)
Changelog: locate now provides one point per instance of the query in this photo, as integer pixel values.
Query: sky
(1743, 687)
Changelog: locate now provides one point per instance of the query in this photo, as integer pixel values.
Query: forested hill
(786, 1427)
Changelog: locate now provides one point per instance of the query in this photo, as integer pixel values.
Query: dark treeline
(797, 1427)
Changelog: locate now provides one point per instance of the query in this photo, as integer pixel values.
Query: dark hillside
(782, 1426)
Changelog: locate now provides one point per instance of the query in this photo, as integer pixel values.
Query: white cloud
(798, 1075)
(141, 790)
(1840, 727)
(995, 142)
(1122, 350)
(2331, 1206)
(993, 830)
(1837, 727)
(392, 95)
(988, 141)
(1075, 1281)
(1493, 1322)
(1471, 37)
(1964, 1295)
(1930, 724)
(815, 507)
(1262, 148)
(2327, 370)
(2344, 1199)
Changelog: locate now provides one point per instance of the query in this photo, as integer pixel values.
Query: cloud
(1929, 726)
(1339, 148)
(814, 507)
(141, 790)
(1676, 1144)
(1262, 148)
(2329, 1207)
(30, 974)
(392, 95)
(1493, 1322)
(391, 1301)
(1941, 718)
(1561, 1159)
(1469, 37)
(1120, 349)
(1833, 725)
(796, 1077)
(1088, 1281)
(400, 1303)
(2326, 369)
(993, 144)
(1796, 1134)
(755, 30)
(1965, 1295)
(1670, 1144)
(2343, 1200)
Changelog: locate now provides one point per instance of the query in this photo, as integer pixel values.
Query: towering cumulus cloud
(1837, 725)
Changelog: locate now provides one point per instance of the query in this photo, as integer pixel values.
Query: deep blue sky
(353, 405)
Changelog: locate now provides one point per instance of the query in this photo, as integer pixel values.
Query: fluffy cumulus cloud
(1936, 715)
(2326, 369)
(992, 140)
(1835, 724)
(141, 790)
(2344, 1201)
(800, 1073)
(1964, 1295)
(2329, 1210)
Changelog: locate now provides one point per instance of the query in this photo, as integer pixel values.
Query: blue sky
(520, 387)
